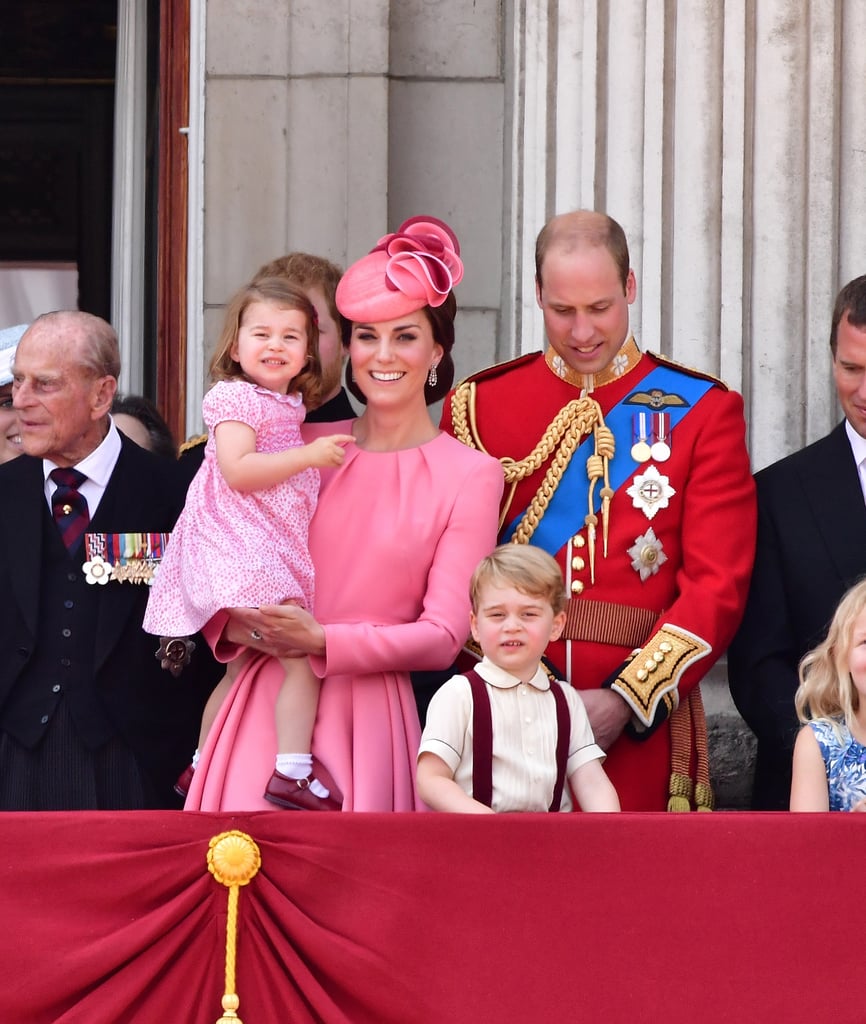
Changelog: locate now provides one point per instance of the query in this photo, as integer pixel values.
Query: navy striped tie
(69, 506)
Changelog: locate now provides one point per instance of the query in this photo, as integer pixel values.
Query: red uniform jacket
(688, 578)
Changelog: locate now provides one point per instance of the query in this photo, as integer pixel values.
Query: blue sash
(572, 492)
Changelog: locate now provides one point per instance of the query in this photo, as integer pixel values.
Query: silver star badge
(647, 554)
(650, 491)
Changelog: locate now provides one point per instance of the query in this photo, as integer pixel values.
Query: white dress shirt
(97, 467)
(524, 736)
(858, 449)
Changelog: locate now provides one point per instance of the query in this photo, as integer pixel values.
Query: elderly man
(811, 549)
(633, 472)
(88, 719)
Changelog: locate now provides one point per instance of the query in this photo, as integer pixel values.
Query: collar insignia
(625, 360)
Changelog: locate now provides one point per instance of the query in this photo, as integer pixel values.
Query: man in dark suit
(811, 549)
(88, 718)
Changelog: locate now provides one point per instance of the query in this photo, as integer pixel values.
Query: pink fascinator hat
(415, 266)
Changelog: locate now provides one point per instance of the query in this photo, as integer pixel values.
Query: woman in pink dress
(397, 533)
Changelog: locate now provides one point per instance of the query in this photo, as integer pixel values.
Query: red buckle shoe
(296, 795)
(181, 787)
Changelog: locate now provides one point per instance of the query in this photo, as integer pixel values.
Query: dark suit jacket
(811, 549)
(157, 715)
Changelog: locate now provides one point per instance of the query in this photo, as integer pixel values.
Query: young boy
(507, 739)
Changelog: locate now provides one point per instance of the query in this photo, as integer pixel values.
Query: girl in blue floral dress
(830, 752)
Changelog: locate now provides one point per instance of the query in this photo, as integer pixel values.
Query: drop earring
(433, 376)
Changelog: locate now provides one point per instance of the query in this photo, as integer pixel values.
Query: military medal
(647, 554)
(650, 491)
(175, 653)
(640, 450)
(123, 557)
(661, 449)
(97, 570)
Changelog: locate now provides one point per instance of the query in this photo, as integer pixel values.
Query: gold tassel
(590, 522)
(234, 859)
(680, 790)
(606, 496)
(704, 798)
(681, 786)
(605, 445)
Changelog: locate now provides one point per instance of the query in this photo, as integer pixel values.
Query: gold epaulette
(690, 370)
(653, 674)
(192, 442)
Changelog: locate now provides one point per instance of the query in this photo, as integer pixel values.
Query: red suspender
(563, 733)
(482, 741)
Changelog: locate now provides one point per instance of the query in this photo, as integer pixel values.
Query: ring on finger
(255, 635)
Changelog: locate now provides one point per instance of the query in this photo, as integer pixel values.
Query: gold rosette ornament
(234, 859)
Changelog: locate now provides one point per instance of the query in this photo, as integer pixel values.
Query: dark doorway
(57, 74)
(57, 99)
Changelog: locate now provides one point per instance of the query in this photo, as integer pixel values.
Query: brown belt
(605, 622)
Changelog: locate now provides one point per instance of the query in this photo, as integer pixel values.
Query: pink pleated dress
(395, 539)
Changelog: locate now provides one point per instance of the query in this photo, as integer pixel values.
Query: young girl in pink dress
(241, 540)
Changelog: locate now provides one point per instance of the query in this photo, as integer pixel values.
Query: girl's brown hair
(278, 292)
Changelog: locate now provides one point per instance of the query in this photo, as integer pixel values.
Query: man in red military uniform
(633, 472)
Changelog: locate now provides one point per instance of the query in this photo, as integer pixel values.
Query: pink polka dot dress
(231, 548)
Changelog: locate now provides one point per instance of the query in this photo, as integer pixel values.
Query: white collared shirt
(524, 736)
(97, 467)
(858, 450)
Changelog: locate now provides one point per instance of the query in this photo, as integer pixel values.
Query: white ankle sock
(299, 766)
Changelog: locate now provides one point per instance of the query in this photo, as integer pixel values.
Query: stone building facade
(729, 139)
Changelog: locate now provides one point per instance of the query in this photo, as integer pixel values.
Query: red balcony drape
(435, 918)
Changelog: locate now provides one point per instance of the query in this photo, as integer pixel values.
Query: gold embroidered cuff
(653, 674)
